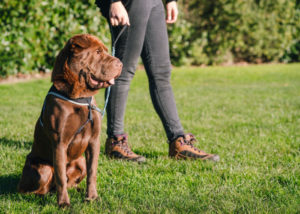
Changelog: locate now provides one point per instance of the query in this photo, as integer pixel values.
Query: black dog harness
(87, 101)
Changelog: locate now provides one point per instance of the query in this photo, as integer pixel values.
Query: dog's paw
(90, 200)
(63, 200)
(64, 204)
(91, 195)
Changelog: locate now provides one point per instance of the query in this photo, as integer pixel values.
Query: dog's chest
(88, 134)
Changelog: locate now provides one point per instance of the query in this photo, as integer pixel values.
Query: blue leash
(113, 54)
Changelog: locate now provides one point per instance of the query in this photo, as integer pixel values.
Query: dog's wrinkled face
(84, 66)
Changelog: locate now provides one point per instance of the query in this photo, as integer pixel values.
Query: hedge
(207, 32)
(222, 31)
(33, 31)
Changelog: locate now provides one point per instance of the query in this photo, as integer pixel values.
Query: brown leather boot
(117, 147)
(183, 148)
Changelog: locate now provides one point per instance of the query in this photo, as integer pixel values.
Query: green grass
(250, 116)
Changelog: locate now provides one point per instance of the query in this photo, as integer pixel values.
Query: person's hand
(172, 12)
(118, 14)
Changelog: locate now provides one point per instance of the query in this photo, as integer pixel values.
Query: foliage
(207, 32)
(238, 30)
(248, 115)
(32, 32)
(292, 53)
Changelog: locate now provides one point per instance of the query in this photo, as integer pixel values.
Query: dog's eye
(98, 51)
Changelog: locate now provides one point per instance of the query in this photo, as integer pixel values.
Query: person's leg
(156, 58)
(155, 55)
(128, 50)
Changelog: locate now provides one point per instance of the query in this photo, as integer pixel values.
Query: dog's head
(84, 66)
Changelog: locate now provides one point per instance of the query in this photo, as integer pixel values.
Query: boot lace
(123, 143)
(191, 142)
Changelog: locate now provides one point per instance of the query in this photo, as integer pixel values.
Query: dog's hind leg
(37, 177)
(76, 171)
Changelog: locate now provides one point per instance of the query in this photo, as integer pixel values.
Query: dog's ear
(62, 77)
(73, 46)
(104, 47)
(78, 43)
(59, 65)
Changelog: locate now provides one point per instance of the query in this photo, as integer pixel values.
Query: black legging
(146, 37)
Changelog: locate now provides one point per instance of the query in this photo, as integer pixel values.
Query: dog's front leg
(92, 154)
(59, 163)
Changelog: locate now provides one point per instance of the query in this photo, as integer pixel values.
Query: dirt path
(24, 78)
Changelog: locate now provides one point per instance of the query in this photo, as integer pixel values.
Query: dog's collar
(79, 101)
(85, 101)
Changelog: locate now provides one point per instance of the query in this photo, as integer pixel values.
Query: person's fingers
(175, 15)
(169, 15)
(119, 20)
(173, 18)
(170, 21)
(172, 12)
(123, 20)
(114, 21)
(127, 21)
(118, 14)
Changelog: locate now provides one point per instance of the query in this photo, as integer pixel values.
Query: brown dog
(69, 125)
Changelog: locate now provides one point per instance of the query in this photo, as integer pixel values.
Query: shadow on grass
(147, 154)
(15, 144)
(150, 154)
(9, 183)
(8, 186)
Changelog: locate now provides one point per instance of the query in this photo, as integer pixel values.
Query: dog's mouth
(96, 83)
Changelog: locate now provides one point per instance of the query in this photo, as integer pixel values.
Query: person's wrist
(170, 1)
(113, 1)
(116, 4)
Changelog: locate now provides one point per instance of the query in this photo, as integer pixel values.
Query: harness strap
(67, 99)
(90, 119)
(83, 102)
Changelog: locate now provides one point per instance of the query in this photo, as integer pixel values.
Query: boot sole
(213, 158)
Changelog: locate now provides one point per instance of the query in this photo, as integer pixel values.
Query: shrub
(207, 32)
(237, 30)
(33, 31)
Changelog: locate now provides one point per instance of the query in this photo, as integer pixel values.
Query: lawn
(250, 116)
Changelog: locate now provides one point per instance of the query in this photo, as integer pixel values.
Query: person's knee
(161, 77)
